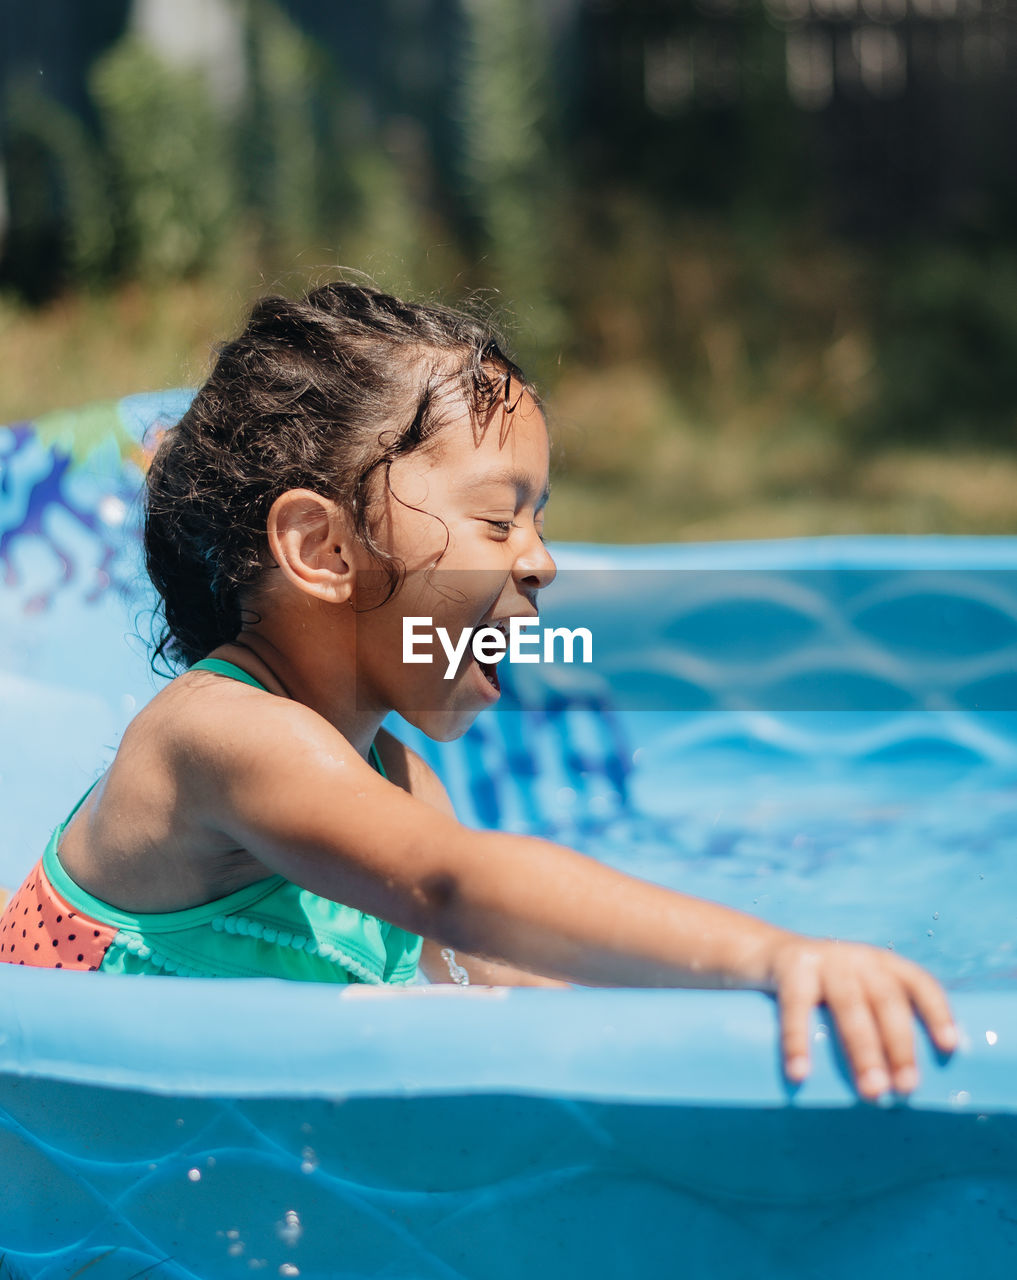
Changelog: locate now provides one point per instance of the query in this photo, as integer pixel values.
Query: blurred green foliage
(278, 141)
(506, 105)
(57, 166)
(720, 362)
(172, 183)
(945, 326)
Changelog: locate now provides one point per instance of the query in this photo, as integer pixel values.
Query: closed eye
(505, 526)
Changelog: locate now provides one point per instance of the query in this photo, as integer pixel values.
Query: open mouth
(489, 670)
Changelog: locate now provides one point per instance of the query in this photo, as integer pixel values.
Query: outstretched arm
(318, 814)
(407, 770)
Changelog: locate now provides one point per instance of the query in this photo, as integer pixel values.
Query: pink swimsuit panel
(39, 928)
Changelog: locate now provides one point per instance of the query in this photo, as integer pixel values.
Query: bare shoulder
(409, 770)
(212, 744)
(162, 830)
(210, 726)
(204, 720)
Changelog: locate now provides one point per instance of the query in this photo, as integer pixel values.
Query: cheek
(415, 529)
(453, 597)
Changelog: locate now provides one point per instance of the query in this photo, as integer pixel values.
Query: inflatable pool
(823, 732)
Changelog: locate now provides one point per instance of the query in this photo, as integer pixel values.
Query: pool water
(919, 859)
(822, 733)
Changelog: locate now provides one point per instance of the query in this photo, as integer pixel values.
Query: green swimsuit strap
(230, 669)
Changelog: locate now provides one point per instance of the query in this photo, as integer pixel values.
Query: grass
(92, 347)
(625, 470)
(732, 445)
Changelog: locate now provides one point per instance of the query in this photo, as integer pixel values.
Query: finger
(891, 1009)
(931, 1004)
(797, 995)
(859, 1034)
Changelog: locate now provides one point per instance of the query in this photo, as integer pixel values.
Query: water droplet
(456, 971)
(960, 1097)
(233, 1234)
(194, 1175)
(930, 933)
(935, 915)
(235, 1249)
(991, 1037)
(289, 1229)
(288, 1269)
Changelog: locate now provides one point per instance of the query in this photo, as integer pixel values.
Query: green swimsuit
(269, 929)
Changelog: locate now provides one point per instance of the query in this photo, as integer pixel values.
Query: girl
(352, 461)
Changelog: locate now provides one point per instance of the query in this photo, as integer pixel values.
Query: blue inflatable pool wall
(824, 732)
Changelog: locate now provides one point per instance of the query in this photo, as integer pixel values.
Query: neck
(287, 672)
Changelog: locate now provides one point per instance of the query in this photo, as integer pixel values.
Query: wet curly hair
(323, 393)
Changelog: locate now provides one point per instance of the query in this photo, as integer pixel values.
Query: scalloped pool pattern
(493, 1188)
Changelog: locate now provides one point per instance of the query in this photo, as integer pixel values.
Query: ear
(312, 542)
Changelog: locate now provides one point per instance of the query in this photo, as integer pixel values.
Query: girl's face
(478, 511)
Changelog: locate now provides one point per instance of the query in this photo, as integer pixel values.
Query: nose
(534, 567)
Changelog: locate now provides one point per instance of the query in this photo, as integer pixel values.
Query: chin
(444, 725)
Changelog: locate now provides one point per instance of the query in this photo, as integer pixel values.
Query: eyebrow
(517, 480)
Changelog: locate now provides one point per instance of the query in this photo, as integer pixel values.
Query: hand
(871, 994)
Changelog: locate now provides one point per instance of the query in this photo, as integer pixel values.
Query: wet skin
(217, 785)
